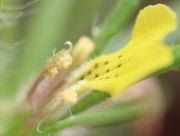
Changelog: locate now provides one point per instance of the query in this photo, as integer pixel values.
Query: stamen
(59, 60)
(69, 96)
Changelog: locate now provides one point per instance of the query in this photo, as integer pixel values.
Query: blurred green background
(31, 29)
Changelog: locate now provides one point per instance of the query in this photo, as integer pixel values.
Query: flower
(58, 91)
(142, 56)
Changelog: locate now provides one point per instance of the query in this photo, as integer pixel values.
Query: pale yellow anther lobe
(69, 96)
(60, 60)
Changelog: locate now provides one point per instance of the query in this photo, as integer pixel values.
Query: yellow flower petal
(153, 23)
(143, 55)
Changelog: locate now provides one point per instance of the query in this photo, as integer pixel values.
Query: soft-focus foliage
(32, 29)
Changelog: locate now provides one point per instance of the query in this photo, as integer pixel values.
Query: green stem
(93, 98)
(176, 52)
(115, 23)
(120, 113)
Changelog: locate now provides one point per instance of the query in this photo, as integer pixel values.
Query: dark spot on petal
(82, 78)
(119, 66)
(116, 75)
(105, 63)
(107, 70)
(106, 77)
(89, 72)
(96, 65)
(96, 75)
(119, 56)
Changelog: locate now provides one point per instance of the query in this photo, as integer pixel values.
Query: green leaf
(115, 23)
(119, 113)
(15, 122)
(87, 101)
(176, 52)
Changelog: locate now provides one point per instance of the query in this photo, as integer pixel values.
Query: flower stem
(115, 23)
(176, 52)
(121, 113)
